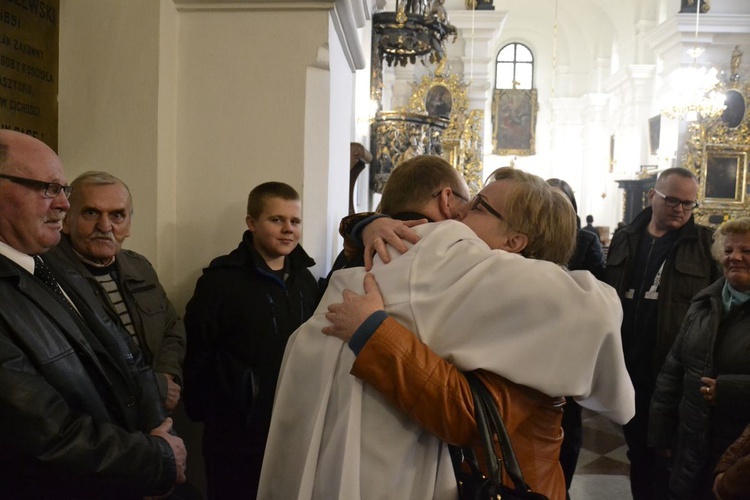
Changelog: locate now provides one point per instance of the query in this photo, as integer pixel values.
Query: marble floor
(602, 471)
(603, 467)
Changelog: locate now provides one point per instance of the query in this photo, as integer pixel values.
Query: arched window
(515, 67)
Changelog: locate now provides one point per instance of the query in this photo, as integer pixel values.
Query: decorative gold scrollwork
(462, 140)
(717, 151)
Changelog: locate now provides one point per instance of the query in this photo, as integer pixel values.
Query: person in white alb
(333, 436)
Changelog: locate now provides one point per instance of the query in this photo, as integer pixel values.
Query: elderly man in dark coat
(81, 416)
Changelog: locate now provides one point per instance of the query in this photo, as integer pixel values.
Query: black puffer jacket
(76, 404)
(689, 269)
(238, 323)
(680, 418)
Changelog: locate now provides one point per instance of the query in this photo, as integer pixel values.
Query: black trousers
(649, 475)
(234, 475)
(571, 446)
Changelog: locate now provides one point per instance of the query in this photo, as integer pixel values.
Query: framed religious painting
(443, 97)
(724, 173)
(438, 101)
(716, 149)
(514, 122)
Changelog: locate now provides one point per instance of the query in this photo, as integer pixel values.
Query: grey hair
(98, 178)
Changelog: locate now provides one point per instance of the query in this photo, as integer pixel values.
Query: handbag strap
(489, 424)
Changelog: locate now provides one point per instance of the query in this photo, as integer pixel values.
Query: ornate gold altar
(399, 136)
(437, 120)
(439, 95)
(717, 152)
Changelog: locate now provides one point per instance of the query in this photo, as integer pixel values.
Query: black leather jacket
(76, 403)
(689, 268)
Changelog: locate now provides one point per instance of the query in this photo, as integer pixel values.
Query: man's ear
(447, 209)
(250, 223)
(516, 243)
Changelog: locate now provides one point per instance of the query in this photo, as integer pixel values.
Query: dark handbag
(473, 484)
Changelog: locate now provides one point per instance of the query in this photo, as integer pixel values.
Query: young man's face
(277, 230)
(668, 218)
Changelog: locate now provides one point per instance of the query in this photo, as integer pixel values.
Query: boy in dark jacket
(245, 307)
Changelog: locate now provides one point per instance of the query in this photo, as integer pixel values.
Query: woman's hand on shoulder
(348, 315)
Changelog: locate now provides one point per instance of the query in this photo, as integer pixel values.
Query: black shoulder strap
(490, 424)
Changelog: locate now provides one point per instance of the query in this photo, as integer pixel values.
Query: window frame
(514, 63)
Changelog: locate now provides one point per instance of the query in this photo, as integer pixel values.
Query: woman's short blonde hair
(732, 226)
(543, 214)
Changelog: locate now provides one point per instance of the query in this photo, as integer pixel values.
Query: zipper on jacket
(301, 308)
(273, 313)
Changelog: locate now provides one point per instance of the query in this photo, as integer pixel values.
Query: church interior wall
(187, 104)
(238, 126)
(108, 98)
(193, 103)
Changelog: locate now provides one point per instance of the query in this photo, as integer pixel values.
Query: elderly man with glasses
(80, 410)
(486, 293)
(657, 263)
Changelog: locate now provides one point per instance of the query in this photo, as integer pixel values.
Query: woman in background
(702, 397)
(587, 256)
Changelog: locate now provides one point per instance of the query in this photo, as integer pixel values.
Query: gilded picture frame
(514, 122)
(724, 175)
(716, 150)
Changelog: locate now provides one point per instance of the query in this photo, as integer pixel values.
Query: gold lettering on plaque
(29, 34)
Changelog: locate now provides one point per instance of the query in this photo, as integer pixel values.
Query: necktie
(43, 272)
(97, 354)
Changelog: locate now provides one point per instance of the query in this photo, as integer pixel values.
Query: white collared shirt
(27, 262)
(20, 258)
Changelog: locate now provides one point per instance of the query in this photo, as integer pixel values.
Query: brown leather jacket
(735, 465)
(436, 395)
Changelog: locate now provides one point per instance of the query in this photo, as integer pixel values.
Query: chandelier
(416, 28)
(692, 92)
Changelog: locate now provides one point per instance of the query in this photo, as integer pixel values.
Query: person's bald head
(33, 192)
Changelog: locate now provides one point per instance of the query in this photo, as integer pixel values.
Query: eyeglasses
(479, 200)
(436, 193)
(51, 189)
(673, 202)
